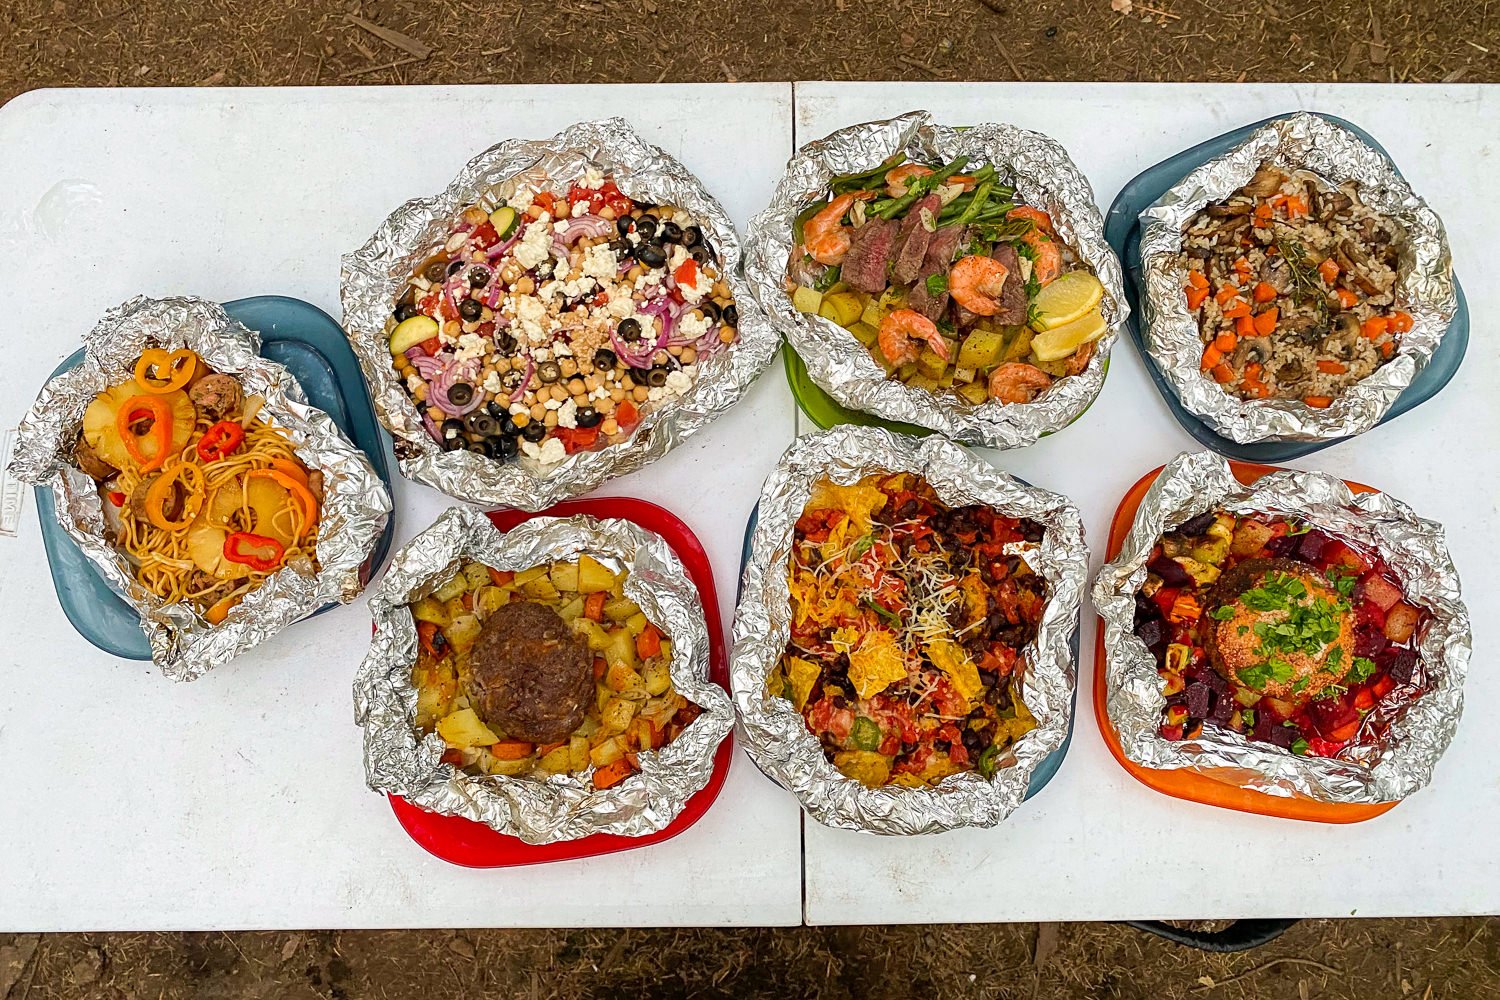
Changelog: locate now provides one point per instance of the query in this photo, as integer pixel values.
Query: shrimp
(975, 283)
(1016, 382)
(1040, 220)
(1046, 262)
(899, 328)
(824, 236)
(1079, 359)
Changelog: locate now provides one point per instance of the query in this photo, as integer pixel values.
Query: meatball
(530, 675)
(216, 396)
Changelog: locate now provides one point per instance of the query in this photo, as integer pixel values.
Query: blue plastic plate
(1122, 230)
(1044, 771)
(312, 347)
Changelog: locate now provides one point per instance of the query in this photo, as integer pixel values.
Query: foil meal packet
(375, 274)
(774, 732)
(353, 513)
(1419, 730)
(1044, 177)
(1424, 288)
(400, 761)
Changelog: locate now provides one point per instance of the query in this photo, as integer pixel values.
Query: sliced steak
(869, 254)
(912, 240)
(1013, 293)
(940, 251)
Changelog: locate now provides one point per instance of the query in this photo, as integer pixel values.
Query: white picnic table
(238, 801)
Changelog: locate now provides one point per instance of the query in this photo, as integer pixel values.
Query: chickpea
(524, 285)
(550, 419)
(727, 335)
(604, 405)
(720, 289)
(420, 392)
(591, 383)
(436, 414)
(688, 356)
(520, 419)
(634, 273)
(575, 386)
(610, 427)
(453, 328)
(569, 366)
(511, 272)
(538, 411)
(640, 395)
(617, 394)
(675, 351)
(607, 213)
(474, 215)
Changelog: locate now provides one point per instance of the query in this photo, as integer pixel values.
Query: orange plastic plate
(1196, 786)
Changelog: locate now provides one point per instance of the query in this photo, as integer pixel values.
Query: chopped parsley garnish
(1247, 716)
(1331, 691)
(1362, 670)
(937, 284)
(1301, 684)
(1342, 582)
(1223, 614)
(1335, 657)
(1300, 747)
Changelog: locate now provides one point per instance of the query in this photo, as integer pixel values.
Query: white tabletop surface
(132, 802)
(1096, 844)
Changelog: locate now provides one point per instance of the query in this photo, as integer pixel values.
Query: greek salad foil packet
(1419, 729)
(353, 511)
(375, 275)
(777, 736)
(400, 760)
(1423, 289)
(1044, 177)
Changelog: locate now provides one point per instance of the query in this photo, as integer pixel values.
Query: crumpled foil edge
(1044, 176)
(1415, 548)
(776, 735)
(374, 275)
(356, 504)
(562, 807)
(1424, 282)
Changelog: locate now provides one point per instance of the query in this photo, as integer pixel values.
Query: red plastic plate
(474, 845)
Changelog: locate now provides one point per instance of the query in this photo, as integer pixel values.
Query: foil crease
(399, 761)
(374, 275)
(356, 504)
(1420, 730)
(1044, 177)
(776, 735)
(1424, 281)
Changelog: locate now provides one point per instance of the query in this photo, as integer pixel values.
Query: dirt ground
(276, 42)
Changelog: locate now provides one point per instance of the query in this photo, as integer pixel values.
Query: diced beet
(1223, 709)
(1197, 525)
(1401, 664)
(1145, 608)
(1310, 545)
(1331, 713)
(1153, 633)
(1281, 547)
(1273, 732)
(1206, 675)
(1369, 640)
(1170, 571)
(1198, 697)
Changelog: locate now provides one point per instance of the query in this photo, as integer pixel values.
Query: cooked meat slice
(529, 674)
(869, 254)
(87, 459)
(912, 239)
(1013, 300)
(216, 396)
(940, 250)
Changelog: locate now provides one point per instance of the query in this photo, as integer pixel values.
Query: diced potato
(491, 599)
(620, 609)
(974, 392)
(922, 382)
(558, 761)
(963, 375)
(844, 308)
(593, 576)
(621, 678)
(510, 768)
(539, 589)
(636, 623)
(455, 608)
(465, 729)
(428, 609)
(595, 636)
(461, 632)
(873, 314)
(865, 333)
(1250, 537)
(1019, 346)
(806, 300)
(578, 753)
(929, 364)
(657, 676)
(1401, 622)
(477, 574)
(622, 649)
(435, 691)
(571, 609)
(564, 576)
(981, 349)
(452, 588)
(606, 753)
(906, 371)
(527, 575)
(616, 714)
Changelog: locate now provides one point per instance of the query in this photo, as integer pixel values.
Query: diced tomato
(454, 757)
(575, 439)
(431, 346)
(486, 329)
(484, 235)
(825, 717)
(626, 415)
(117, 498)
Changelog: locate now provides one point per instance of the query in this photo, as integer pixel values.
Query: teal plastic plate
(1047, 769)
(313, 348)
(1123, 232)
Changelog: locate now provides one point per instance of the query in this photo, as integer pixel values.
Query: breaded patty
(1235, 648)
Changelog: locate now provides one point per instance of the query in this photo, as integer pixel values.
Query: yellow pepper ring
(160, 492)
(180, 366)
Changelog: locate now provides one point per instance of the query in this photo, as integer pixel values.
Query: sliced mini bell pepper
(305, 499)
(160, 413)
(160, 492)
(223, 438)
(247, 549)
(176, 368)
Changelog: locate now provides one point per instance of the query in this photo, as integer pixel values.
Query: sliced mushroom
(1343, 341)
(1266, 182)
(1228, 210)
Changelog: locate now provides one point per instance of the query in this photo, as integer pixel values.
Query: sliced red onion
(431, 425)
(492, 294)
(585, 225)
(515, 397)
(635, 356)
(415, 352)
(495, 252)
(439, 389)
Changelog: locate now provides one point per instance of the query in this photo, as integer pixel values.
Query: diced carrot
(648, 643)
(1318, 402)
(1197, 279)
(512, 749)
(1329, 270)
(1401, 322)
(593, 606)
(1295, 207)
(1256, 390)
(1263, 213)
(500, 577)
(545, 748)
(1265, 322)
(1345, 732)
(1225, 293)
(1374, 327)
(1237, 309)
(1211, 356)
(1195, 296)
(1265, 292)
(1225, 342)
(1244, 326)
(1347, 299)
(601, 667)
(468, 600)
(1332, 367)
(1252, 372)
(1387, 349)
(1382, 686)
(1222, 373)
(612, 774)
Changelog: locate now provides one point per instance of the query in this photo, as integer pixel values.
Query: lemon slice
(1059, 342)
(1068, 298)
(414, 330)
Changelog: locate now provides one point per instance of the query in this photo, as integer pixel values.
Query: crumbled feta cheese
(516, 409)
(692, 326)
(701, 286)
(413, 380)
(567, 414)
(593, 177)
(621, 304)
(599, 393)
(655, 395)
(470, 346)
(492, 384)
(549, 290)
(679, 254)
(541, 354)
(551, 404)
(582, 208)
(647, 280)
(550, 452)
(520, 201)
(559, 227)
(535, 245)
(561, 349)
(682, 218)
(529, 315)
(678, 382)
(600, 262)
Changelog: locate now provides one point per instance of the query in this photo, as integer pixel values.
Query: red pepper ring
(223, 438)
(237, 542)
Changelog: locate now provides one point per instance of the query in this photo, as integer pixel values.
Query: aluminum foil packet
(1424, 281)
(1043, 176)
(1419, 730)
(398, 760)
(356, 504)
(375, 274)
(776, 734)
